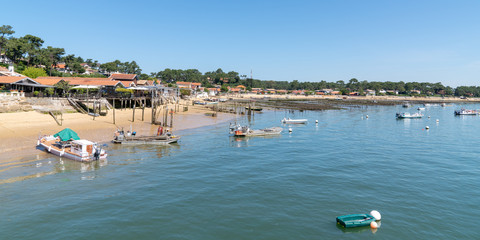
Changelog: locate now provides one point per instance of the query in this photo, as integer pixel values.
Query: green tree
(32, 45)
(15, 49)
(224, 88)
(109, 67)
(50, 56)
(185, 92)
(33, 73)
(64, 86)
(5, 33)
(49, 91)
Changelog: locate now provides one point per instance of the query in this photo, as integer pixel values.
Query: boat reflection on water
(45, 164)
(244, 141)
(119, 150)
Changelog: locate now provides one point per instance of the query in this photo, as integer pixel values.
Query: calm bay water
(425, 183)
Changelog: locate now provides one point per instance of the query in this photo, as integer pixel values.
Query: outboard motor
(96, 154)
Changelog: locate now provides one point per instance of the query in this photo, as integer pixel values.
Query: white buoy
(427, 127)
(316, 121)
(376, 215)
(438, 120)
(374, 225)
(366, 116)
(289, 130)
(428, 116)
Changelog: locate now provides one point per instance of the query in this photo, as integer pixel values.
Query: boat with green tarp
(66, 143)
(355, 220)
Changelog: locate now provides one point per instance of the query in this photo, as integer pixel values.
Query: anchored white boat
(294, 121)
(466, 112)
(244, 131)
(66, 143)
(409, 115)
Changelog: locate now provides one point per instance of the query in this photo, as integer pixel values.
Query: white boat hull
(294, 121)
(66, 154)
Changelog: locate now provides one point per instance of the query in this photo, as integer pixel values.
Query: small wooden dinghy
(355, 220)
(237, 130)
(162, 138)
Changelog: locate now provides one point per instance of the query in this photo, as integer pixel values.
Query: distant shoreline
(352, 98)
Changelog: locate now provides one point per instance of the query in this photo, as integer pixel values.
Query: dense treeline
(28, 52)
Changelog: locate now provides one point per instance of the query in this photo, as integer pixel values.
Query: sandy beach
(19, 131)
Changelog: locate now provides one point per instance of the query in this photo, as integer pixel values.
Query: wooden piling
(113, 106)
(133, 116)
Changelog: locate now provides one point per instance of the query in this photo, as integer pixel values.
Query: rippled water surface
(425, 183)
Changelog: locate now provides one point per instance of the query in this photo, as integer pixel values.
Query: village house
(326, 91)
(60, 67)
(21, 83)
(105, 84)
(126, 79)
(282, 91)
(244, 89)
(415, 91)
(234, 90)
(256, 90)
(298, 92)
(213, 91)
(370, 92)
(191, 85)
(271, 91)
(4, 59)
(9, 72)
(145, 83)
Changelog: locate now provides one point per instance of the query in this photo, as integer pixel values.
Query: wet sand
(19, 131)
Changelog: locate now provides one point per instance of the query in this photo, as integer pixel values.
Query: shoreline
(20, 130)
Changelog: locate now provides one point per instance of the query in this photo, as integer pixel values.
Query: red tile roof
(10, 79)
(78, 81)
(60, 65)
(120, 76)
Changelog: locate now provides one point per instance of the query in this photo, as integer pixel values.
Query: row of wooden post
(156, 103)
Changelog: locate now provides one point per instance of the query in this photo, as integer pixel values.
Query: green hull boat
(355, 220)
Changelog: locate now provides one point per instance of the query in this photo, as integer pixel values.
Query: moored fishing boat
(466, 112)
(294, 121)
(66, 143)
(244, 131)
(162, 138)
(409, 115)
(355, 220)
(254, 108)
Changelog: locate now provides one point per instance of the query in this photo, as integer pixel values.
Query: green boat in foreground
(355, 220)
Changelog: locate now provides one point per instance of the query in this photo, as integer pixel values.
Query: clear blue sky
(331, 40)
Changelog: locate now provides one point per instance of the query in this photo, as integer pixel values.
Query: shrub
(33, 73)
